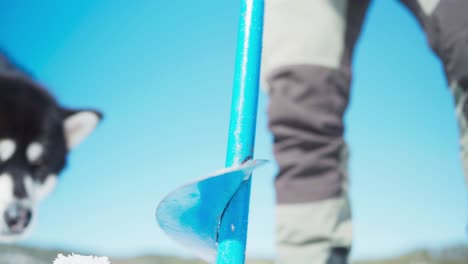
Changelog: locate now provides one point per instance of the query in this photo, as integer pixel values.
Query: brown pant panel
(306, 118)
(447, 32)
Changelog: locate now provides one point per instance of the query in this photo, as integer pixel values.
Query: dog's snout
(17, 217)
(18, 174)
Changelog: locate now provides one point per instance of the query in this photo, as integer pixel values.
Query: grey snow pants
(306, 69)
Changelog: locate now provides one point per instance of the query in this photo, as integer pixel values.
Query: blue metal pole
(241, 141)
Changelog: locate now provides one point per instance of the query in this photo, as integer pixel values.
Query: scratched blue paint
(246, 81)
(191, 214)
(241, 141)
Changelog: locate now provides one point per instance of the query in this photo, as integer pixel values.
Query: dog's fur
(36, 134)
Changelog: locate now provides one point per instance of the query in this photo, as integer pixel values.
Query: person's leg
(306, 69)
(446, 25)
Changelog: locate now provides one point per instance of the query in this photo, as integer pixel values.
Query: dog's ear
(78, 124)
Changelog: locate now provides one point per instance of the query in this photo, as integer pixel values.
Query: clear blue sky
(161, 71)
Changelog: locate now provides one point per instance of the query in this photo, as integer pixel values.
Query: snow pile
(77, 259)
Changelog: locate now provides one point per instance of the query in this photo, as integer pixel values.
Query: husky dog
(36, 133)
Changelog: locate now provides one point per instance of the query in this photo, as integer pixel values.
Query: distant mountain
(10, 254)
(22, 255)
(449, 255)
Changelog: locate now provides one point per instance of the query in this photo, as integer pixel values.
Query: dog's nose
(17, 218)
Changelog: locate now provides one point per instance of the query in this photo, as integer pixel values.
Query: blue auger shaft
(233, 230)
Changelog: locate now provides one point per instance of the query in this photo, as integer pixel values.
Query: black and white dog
(36, 134)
